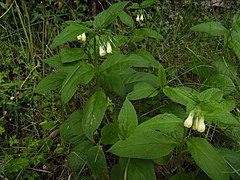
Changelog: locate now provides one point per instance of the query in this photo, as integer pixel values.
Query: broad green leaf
(210, 95)
(51, 82)
(225, 66)
(182, 176)
(228, 104)
(145, 145)
(165, 123)
(96, 161)
(71, 54)
(208, 159)
(53, 61)
(179, 95)
(161, 75)
(139, 58)
(109, 134)
(174, 108)
(77, 158)
(211, 28)
(235, 46)
(132, 78)
(222, 82)
(201, 67)
(222, 116)
(145, 32)
(142, 90)
(71, 128)
(127, 119)
(233, 160)
(93, 113)
(69, 34)
(236, 21)
(83, 73)
(147, 3)
(113, 82)
(117, 173)
(139, 169)
(126, 19)
(105, 18)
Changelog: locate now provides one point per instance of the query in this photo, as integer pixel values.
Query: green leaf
(147, 3)
(139, 169)
(96, 161)
(222, 82)
(114, 83)
(69, 34)
(165, 123)
(211, 28)
(15, 165)
(126, 19)
(145, 145)
(233, 160)
(162, 75)
(105, 18)
(222, 116)
(71, 128)
(77, 158)
(174, 108)
(117, 173)
(53, 61)
(127, 119)
(93, 113)
(134, 77)
(83, 73)
(109, 134)
(142, 90)
(71, 54)
(145, 32)
(235, 46)
(210, 95)
(180, 95)
(51, 82)
(208, 159)
(225, 66)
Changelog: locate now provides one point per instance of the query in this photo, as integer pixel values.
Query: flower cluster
(139, 18)
(82, 37)
(104, 49)
(195, 121)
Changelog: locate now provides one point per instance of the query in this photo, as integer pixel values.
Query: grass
(29, 123)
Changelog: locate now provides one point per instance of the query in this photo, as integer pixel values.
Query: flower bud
(189, 121)
(141, 17)
(84, 37)
(79, 37)
(109, 48)
(138, 18)
(102, 51)
(201, 125)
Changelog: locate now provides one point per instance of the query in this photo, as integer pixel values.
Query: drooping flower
(201, 125)
(84, 37)
(189, 121)
(138, 18)
(141, 17)
(79, 37)
(195, 123)
(109, 48)
(102, 51)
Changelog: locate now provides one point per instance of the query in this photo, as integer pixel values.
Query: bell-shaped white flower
(84, 38)
(109, 48)
(201, 125)
(138, 18)
(141, 17)
(79, 37)
(102, 51)
(189, 121)
(195, 123)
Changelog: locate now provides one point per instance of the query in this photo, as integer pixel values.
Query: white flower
(138, 18)
(189, 121)
(11, 98)
(201, 125)
(84, 37)
(109, 48)
(141, 17)
(195, 123)
(79, 37)
(102, 51)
